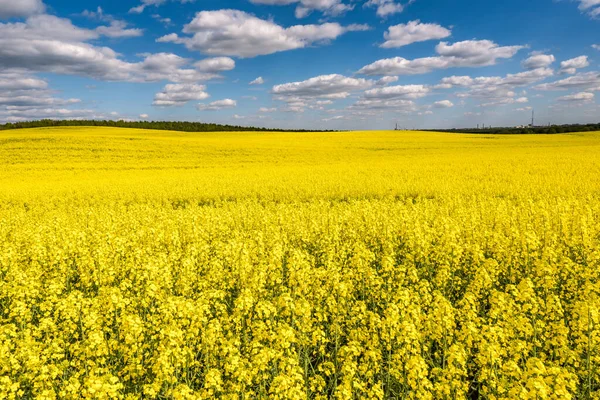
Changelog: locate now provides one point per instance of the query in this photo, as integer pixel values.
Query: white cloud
(334, 118)
(527, 77)
(571, 66)
(399, 99)
(138, 9)
(470, 53)
(146, 3)
(505, 101)
(589, 81)
(312, 92)
(400, 91)
(46, 43)
(45, 27)
(380, 105)
(443, 104)
(165, 21)
(20, 8)
(24, 97)
(12, 115)
(539, 61)
(167, 66)
(413, 32)
(266, 110)
(215, 65)
(591, 7)
(258, 81)
(586, 4)
(98, 14)
(596, 46)
(325, 86)
(305, 7)
(579, 97)
(115, 29)
(237, 33)
(179, 95)
(144, 116)
(217, 105)
(495, 90)
(118, 29)
(385, 8)
(386, 80)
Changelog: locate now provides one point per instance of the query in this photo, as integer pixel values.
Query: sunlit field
(354, 265)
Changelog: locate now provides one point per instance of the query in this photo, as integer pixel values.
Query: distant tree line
(540, 130)
(210, 127)
(158, 125)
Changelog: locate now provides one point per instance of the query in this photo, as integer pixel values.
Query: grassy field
(163, 265)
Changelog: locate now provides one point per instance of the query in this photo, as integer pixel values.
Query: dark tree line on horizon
(156, 125)
(538, 130)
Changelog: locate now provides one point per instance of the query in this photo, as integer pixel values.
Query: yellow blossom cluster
(375, 265)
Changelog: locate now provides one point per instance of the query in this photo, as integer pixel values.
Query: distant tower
(532, 118)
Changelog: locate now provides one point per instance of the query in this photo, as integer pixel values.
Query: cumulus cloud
(165, 21)
(17, 115)
(571, 66)
(386, 80)
(495, 90)
(20, 8)
(45, 43)
(118, 29)
(591, 7)
(237, 33)
(217, 105)
(578, 97)
(147, 3)
(312, 92)
(589, 81)
(258, 81)
(539, 61)
(24, 97)
(399, 99)
(334, 118)
(144, 116)
(333, 86)
(470, 53)
(596, 46)
(179, 94)
(266, 110)
(413, 32)
(396, 92)
(505, 101)
(380, 105)
(215, 65)
(385, 8)
(115, 29)
(98, 14)
(305, 7)
(167, 66)
(443, 104)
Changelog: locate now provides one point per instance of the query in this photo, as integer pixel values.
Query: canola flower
(376, 265)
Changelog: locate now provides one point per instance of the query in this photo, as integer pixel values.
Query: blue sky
(327, 64)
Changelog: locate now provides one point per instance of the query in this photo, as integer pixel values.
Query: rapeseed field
(350, 265)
